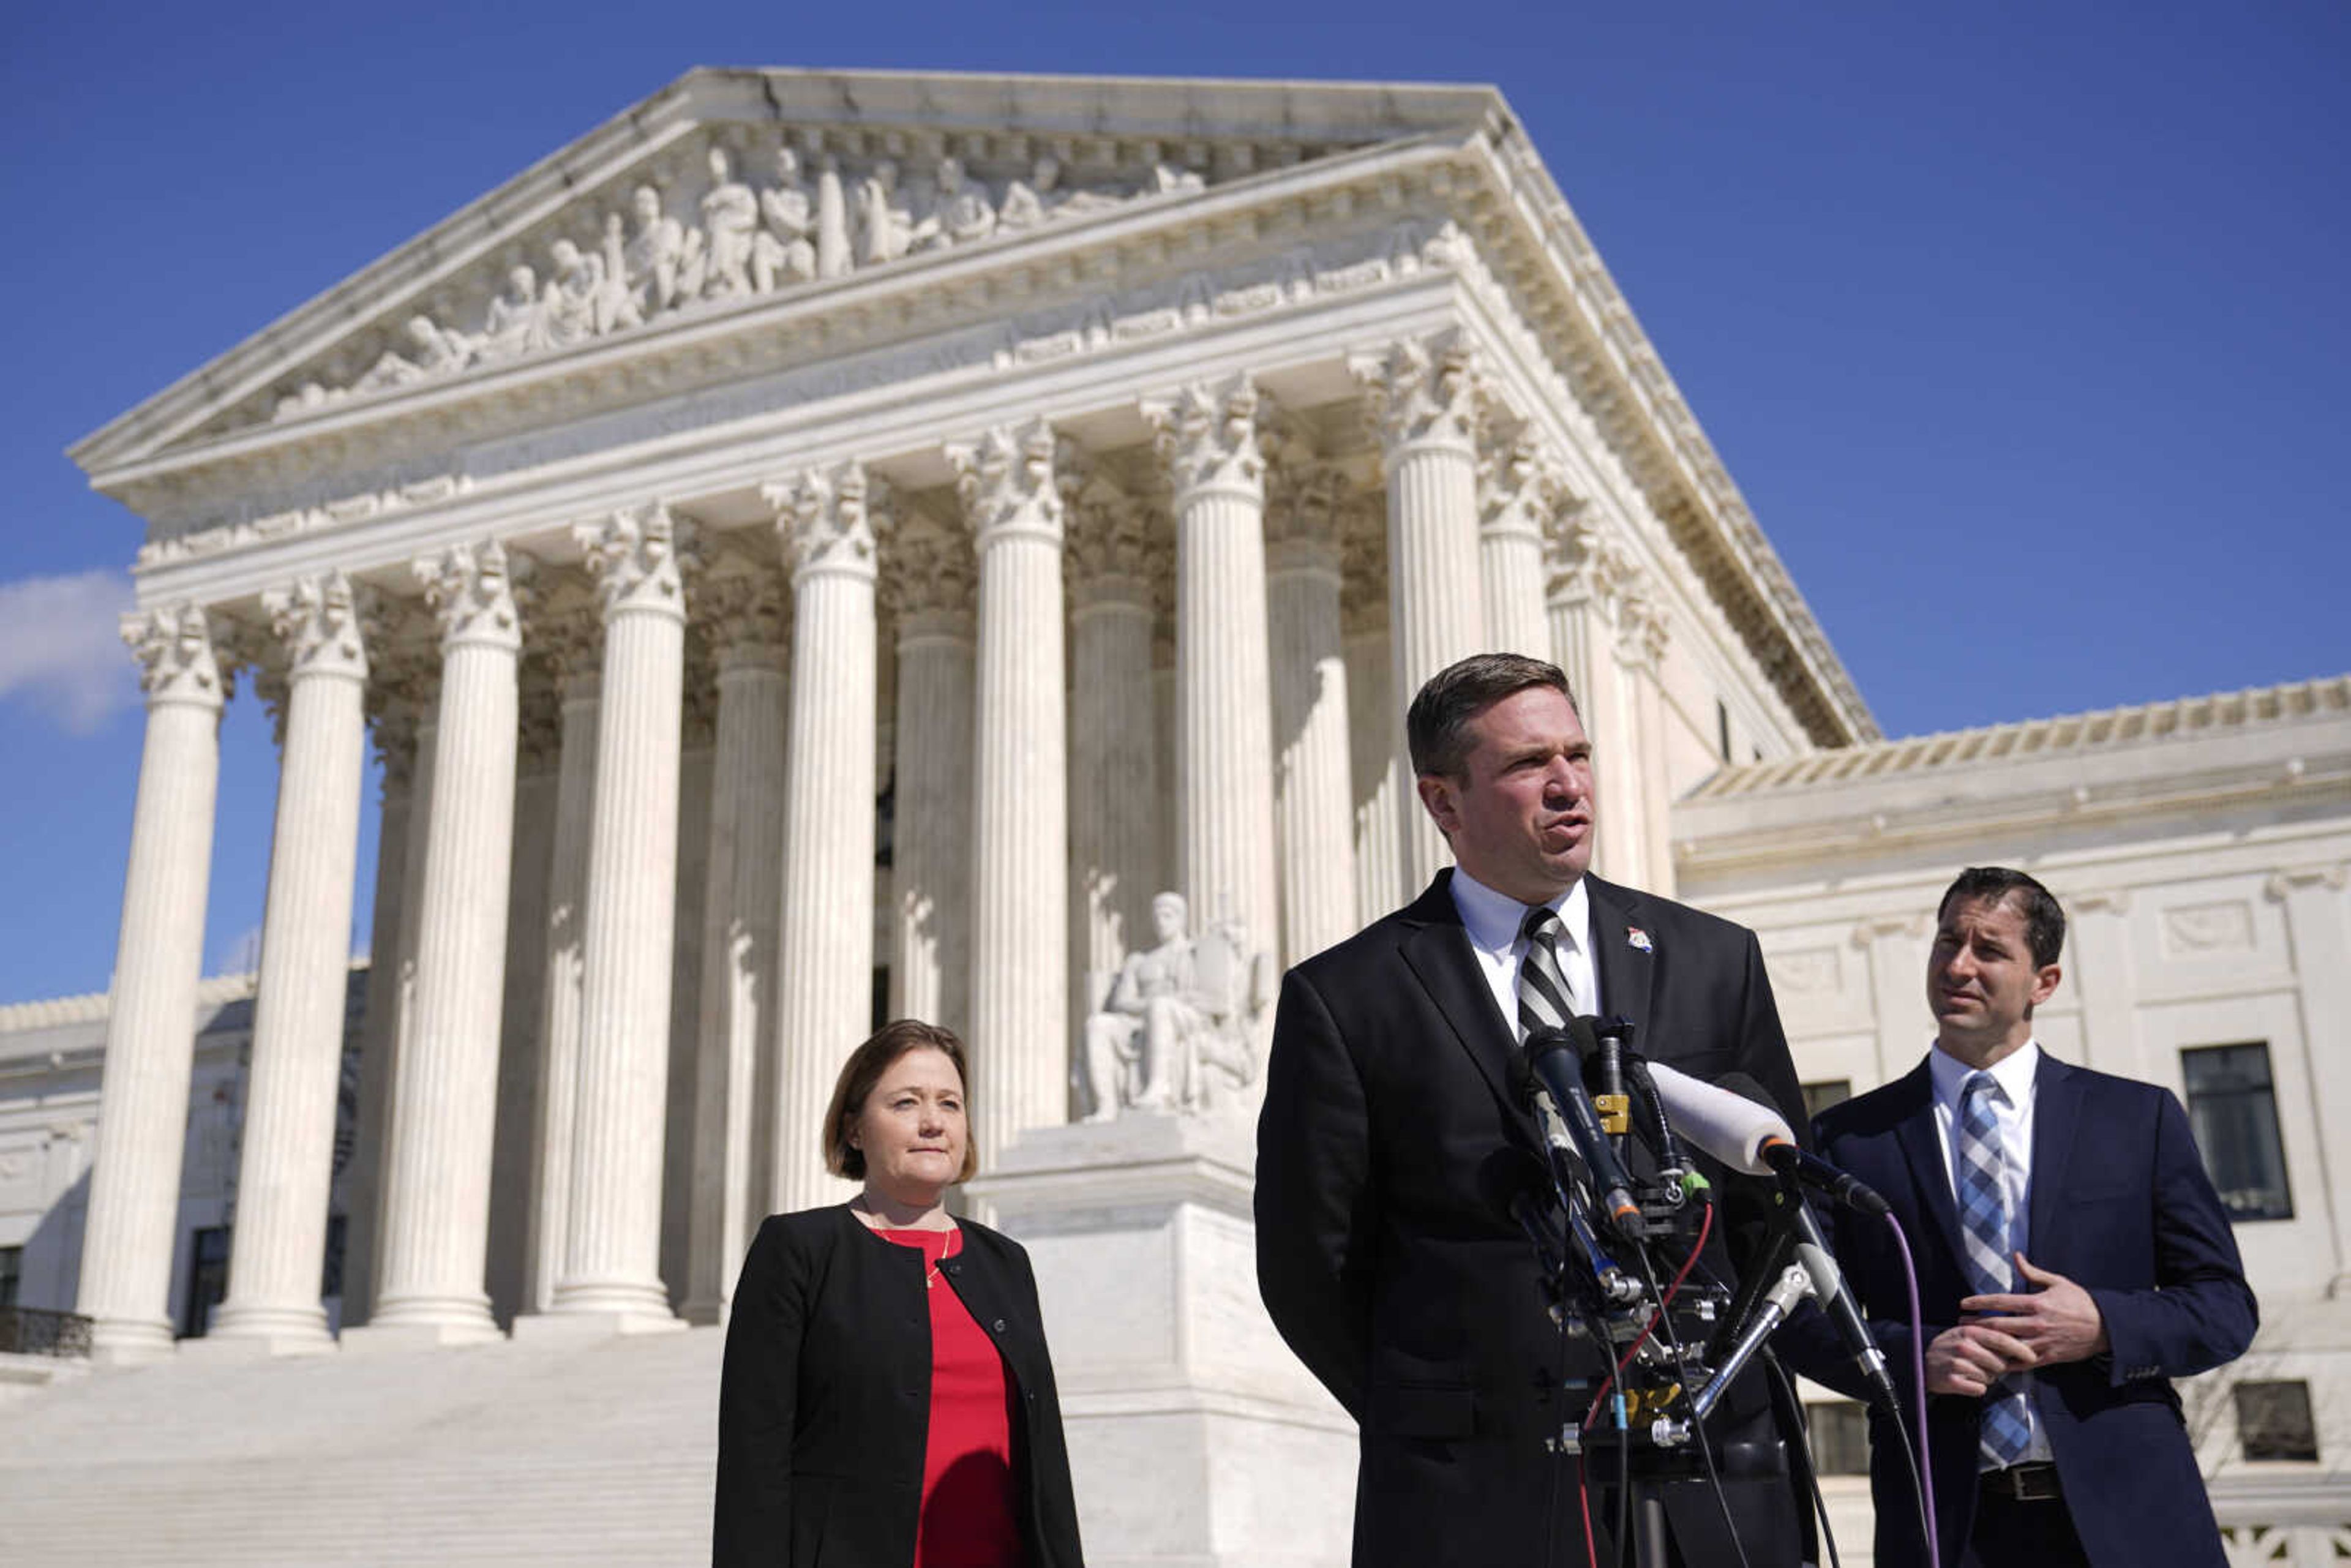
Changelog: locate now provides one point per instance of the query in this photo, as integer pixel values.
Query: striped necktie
(1545, 998)
(1983, 1227)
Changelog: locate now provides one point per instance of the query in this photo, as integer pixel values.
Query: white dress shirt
(1494, 920)
(2012, 1115)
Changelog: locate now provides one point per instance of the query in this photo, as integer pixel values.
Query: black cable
(1697, 1428)
(1792, 1414)
(1918, 1482)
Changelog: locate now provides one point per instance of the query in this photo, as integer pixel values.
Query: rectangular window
(2233, 1109)
(2273, 1421)
(207, 1280)
(1819, 1097)
(1723, 729)
(12, 1274)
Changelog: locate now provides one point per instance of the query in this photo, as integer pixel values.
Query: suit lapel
(1437, 952)
(1627, 973)
(1924, 1150)
(2056, 1098)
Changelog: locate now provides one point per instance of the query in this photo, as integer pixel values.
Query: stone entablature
(2275, 753)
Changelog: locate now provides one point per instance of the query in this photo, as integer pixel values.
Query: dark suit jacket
(1402, 1285)
(2121, 1206)
(824, 1405)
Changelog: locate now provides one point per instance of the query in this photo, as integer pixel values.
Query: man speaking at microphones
(1393, 1111)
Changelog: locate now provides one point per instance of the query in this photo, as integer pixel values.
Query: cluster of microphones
(1593, 1091)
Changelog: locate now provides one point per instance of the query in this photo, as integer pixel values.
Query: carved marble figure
(790, 208)
(1175, 1030)
(885, 223)
(723, 253)
(958, 212)
(575, 306)
(649, 261)
(435, 351)
(512, 324)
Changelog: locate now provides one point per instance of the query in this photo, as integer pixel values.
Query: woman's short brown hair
(864, 1069)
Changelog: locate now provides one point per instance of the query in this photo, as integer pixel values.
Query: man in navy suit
(2073, 1258)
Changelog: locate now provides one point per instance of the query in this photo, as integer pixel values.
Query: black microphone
(1556, 1056)
(1835, 1298)
(1822, 1177)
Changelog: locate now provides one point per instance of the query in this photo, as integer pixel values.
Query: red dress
(968, 1516)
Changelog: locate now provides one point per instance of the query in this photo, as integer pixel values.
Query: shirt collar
(2014, 1073)
(1492, 919)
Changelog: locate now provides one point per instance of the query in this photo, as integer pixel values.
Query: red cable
(1584, 1501)
(1705, 1225)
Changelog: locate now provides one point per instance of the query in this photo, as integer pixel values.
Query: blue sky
(2023, 329)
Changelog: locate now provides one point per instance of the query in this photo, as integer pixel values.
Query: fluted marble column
(444, 1099)
(1115, 827)
(933, 577)
(824, 932)
(538, 788)
(286, 1163)
(1019, 898)
(1223, 700)
(1422, 397)
(576, 648)
(1587, 570)
(1313, 792)
(1374, 729)
(134, 1184)
(1646, 796)
(406, 733)
(1519, 488)
(611, 1255)
(741, 899)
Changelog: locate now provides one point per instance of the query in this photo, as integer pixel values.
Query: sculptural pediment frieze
(734, 214)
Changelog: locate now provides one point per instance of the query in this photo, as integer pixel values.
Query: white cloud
(60, 649)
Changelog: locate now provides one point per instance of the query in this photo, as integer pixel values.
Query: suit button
(999, 1325)
(955, 1268)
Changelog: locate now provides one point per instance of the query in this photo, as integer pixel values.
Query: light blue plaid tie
(1983, 1226)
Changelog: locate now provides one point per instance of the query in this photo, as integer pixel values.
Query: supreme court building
(827, 546)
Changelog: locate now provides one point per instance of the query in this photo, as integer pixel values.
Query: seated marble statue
(1174, 1033)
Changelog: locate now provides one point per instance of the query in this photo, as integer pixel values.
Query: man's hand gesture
(2055, 1321)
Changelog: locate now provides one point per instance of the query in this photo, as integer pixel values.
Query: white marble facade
(800, 437)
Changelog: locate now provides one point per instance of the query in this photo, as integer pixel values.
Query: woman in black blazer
(888, 1400)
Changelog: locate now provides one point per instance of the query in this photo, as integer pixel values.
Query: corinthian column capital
(1584, 561)
(1422, 393)
(324, 622)
(1303, 519)
(1005, 480)
(1110, 533)
(828, 519)
(933, 576)
(1522, 489)
(476, 590)
(638, 557)
(174, 646)
(742, 608)
(1206, 434)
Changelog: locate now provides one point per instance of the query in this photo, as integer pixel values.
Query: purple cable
(1919, 1383)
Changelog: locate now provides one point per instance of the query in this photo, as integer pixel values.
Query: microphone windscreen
(1730, 1127)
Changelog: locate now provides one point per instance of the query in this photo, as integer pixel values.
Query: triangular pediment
(732, 187)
